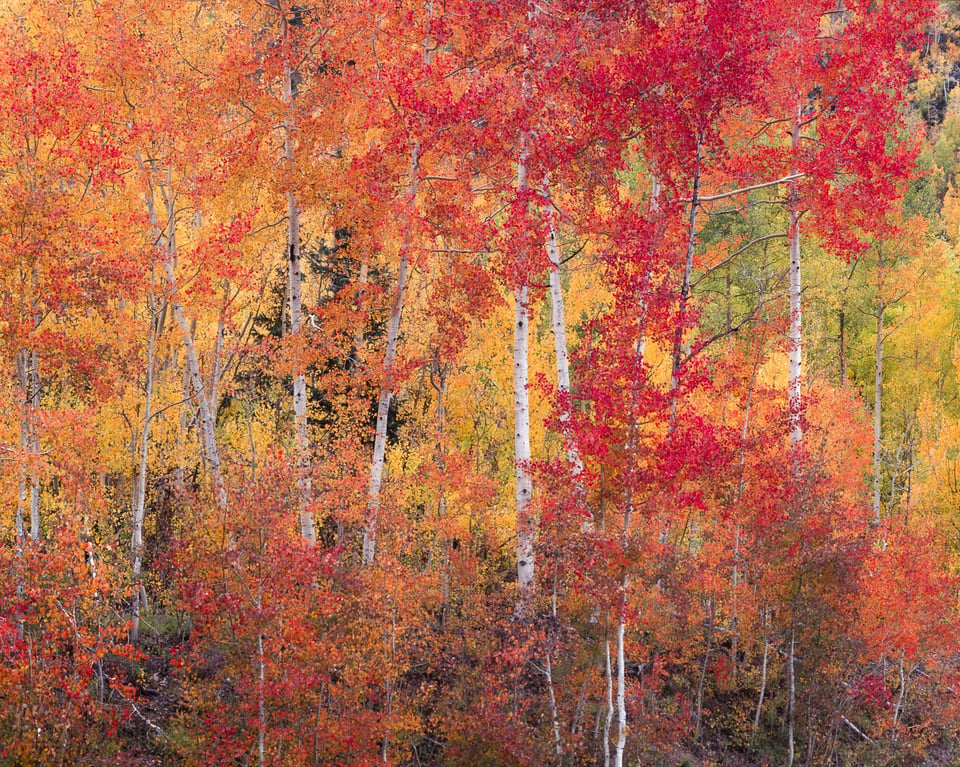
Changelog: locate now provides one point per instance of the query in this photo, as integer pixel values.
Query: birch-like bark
(261, 673)
(558, 326)
(796, 345)
(557, 738)
(393, 333)
(791, 698)
(638, 352)
(640, 346)
(186, 421)
(28, 374)
(621, 625)
(386, 388)
(295, 304)
(140, 487)
(621, 682)
(208, 442)
(608, 722)
(29, 484)
(898, 709)
(526, 524)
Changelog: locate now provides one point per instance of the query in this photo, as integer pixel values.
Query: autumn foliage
(289, 291)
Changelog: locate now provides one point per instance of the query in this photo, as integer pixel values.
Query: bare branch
(744, 190)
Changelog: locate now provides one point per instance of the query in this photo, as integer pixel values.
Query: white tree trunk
(140, 487)
(898, 708)
(791, 698)
(295, 300)
(386, 388)
(796, 341)
(608, 721)
(633, 426)
(261, 678)
(554, 715)
(621, 681)
(558, 326)
(526, 524)
(29, 379)
(28, 374)
(393, 333)
(208, 442)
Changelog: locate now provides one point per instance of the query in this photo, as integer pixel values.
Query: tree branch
(745, 189)
(736, 253)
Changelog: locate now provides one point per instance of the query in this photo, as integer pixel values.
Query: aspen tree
(295, 298)
(393, 334)
(795, 339)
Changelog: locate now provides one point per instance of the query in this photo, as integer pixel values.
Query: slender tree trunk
(811, 733)
(554, 715)
(295, 304)
(438, 379)
(608, 722)
(841, 344)
(386, 388)
(741, 483)
(794, 386)
(558, 325)
(208, 442)
(28, 374)
(20, 530)
(577, 715)
(728, 296)
(187, 417)
(763, 674)
(217, 368)
(526, 521)
(791, 697)
(29, 483)
(685, 292)
(698, 718)
(621, 679)
(796, 347)
(388, 684)
(261, 668)
(526, 524)
(633, 427)
(393, 333)
(878, 395)
(898, 709)
(140, 487)
(621, 743)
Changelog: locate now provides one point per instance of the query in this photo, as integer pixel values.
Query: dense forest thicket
(457, 382)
